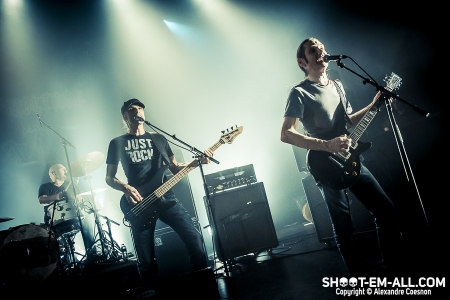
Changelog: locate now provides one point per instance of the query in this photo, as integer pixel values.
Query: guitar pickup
(336, 162)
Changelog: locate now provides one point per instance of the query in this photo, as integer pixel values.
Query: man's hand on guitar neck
(176, 166)
(208, 152)
(338, 144)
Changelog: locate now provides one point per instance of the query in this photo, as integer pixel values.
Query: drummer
(59, 189)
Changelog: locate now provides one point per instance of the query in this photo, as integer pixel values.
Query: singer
(319, 103)
(143, 155)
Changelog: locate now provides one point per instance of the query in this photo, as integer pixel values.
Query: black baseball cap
(130, 102)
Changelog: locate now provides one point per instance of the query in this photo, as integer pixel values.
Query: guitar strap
(159, 142)
(342, 97)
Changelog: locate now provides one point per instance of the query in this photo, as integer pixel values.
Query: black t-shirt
(139, 155)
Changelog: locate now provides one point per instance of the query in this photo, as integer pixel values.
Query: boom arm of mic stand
(64, 141)
(199, 153)
(380, 88)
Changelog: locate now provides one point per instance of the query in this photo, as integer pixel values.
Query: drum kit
(32, 252)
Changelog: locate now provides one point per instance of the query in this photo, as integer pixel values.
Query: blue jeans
(369, 192)
(179, 219)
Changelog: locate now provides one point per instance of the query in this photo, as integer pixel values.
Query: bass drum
(27, 255)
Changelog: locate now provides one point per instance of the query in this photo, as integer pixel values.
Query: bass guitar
(341, 170)
(149, 208)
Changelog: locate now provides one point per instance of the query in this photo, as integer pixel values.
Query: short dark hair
(301, 51)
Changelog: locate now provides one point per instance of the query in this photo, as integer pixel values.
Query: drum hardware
(93, 192)
(63, 214)
(67, 251)
(110, 250)
(82, 167)
(64, 230)
(5, 219)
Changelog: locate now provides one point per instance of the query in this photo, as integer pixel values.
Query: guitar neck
(359, 129)
(159, 192)
(164, 188)
(362, 125)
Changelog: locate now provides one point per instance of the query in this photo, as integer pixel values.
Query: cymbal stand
(97, 221)
(114, 251)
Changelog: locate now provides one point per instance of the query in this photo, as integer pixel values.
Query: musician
(142, 154)
(60, 190)
(317, 104)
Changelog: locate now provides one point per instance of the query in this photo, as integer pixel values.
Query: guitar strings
(356, 134)
(149, 200)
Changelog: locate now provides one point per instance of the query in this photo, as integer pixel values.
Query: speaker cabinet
(241, 221)
(362, 218)
(170, 251)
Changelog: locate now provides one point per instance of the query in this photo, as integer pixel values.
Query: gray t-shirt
(318, 107)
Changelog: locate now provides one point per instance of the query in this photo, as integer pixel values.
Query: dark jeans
(369, 192)
(179, 219)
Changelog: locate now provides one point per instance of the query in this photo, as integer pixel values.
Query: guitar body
(335, 171)
(148, 210)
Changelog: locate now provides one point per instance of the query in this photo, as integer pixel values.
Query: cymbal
(95, 191)
(5, 219)
(87, 164)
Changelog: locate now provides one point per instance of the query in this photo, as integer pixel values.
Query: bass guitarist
(319, 104)
(142, 154)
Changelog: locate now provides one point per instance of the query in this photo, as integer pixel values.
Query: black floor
(296, 269)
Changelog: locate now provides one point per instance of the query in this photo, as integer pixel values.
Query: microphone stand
(397, 135)
(65, 142)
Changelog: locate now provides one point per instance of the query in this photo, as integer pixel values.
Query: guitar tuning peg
(223, 131)
(231, 127)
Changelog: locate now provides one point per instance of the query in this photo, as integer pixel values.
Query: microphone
(39, 118)
(138, 118)
(328, 58)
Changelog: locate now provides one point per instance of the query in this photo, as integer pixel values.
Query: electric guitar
(153, 203)
(341, 170)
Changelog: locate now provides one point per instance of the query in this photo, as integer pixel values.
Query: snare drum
(65, 218)
(27, 253)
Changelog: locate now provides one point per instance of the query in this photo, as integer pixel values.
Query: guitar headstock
(393, 81)
(229, 135)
